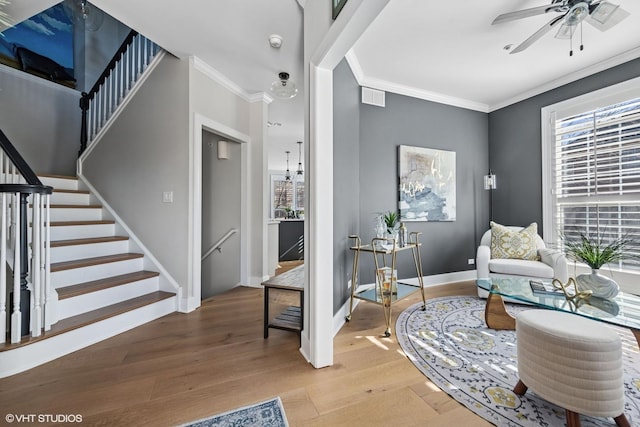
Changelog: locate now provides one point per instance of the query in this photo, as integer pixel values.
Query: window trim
(596, 99)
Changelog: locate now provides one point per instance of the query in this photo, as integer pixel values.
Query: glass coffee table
(623, 310)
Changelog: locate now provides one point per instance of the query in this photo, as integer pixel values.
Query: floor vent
(373, 96)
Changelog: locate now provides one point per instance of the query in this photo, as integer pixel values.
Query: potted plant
(391, 222)
(596, 253)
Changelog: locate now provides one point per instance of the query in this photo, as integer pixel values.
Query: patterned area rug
(451, 344)
(265, 414)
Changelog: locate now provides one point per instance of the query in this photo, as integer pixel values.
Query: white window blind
(596, 174)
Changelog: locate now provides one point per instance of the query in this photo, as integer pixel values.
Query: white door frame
(353, 20)
(191, 300)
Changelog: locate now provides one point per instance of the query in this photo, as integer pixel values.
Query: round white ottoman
(571, 361)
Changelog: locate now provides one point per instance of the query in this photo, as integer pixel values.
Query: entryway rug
(451, 344)
(264, 414)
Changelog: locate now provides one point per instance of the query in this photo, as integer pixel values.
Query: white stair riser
(58, 198)
(94, 272)
(59, 183)
(71, 214)
(67, 232)
(30, 356)
(68, 253)
(83, 303)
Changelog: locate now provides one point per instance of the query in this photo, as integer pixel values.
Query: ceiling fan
(600, 14)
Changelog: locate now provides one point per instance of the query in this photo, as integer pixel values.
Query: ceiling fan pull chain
(571, 44)
(581, 45)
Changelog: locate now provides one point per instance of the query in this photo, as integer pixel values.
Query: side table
(292, 318)
(385, 293)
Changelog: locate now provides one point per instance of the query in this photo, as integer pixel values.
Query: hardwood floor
(181, 368)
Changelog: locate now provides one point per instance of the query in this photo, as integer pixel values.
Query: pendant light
(287, 174)
(283, 88)
(299, 171)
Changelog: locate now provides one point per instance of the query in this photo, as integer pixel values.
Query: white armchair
(552, 263)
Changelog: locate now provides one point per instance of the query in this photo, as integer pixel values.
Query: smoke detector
(275, 41)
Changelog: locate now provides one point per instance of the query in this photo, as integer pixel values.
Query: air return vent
(373, 96)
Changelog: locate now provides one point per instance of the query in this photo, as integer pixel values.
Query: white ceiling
(450, 52)
(438, 50)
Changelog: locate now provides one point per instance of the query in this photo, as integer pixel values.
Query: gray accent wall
(366, 140)
(515, 152)
(346, 177)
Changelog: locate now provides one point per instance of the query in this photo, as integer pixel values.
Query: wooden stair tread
(87, 241)
(70, 223)
(109, 282)
(86, 262)
(76, 322)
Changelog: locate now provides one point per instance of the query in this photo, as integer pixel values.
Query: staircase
(100, 282)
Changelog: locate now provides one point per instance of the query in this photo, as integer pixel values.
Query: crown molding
(400, 89)
(570, 78)
(413, 92)
(227, 83)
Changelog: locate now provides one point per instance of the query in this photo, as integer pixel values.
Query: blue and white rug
(264, 414)
(451, 344)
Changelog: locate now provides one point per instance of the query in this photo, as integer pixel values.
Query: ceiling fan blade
(605, 15)
(524, 13)
(535, 36)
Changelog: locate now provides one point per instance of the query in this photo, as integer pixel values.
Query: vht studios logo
(43, 418)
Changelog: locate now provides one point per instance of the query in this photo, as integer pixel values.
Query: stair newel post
(84, 106)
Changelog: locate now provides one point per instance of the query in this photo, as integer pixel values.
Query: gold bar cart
(385, 292)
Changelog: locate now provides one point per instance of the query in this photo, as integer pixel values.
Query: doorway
(221, 214)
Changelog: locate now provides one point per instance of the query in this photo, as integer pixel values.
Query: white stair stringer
(103, 283)
(29, 356)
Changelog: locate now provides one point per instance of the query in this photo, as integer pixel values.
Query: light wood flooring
(181, 368)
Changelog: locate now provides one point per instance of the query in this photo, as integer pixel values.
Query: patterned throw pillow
(507, 243)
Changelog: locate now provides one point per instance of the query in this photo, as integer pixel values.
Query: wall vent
(373, 96)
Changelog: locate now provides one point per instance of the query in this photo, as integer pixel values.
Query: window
(287, 197)
(591, 148)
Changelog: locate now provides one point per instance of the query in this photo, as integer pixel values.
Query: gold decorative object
(572, 295)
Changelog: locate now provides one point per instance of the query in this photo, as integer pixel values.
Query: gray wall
(346, 177)
(408, 121)
(145, 153)
(366, 140)
(515, 151)
(42, 120)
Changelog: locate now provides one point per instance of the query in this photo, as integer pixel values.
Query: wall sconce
(490, 184)
(490, 181)
(223, 150)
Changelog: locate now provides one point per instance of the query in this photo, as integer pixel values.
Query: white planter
(601, 286)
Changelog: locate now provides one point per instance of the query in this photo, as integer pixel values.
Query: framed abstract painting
(427, 184)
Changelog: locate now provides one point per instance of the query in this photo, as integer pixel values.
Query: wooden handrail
(86, 97)
(18, 160)
(112, 64)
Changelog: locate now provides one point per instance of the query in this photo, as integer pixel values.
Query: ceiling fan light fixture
(284, 88)
(577, 13)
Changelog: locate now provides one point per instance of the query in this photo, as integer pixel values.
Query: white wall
(41, 119)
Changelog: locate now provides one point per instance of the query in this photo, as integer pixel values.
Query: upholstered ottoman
(571, 361)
